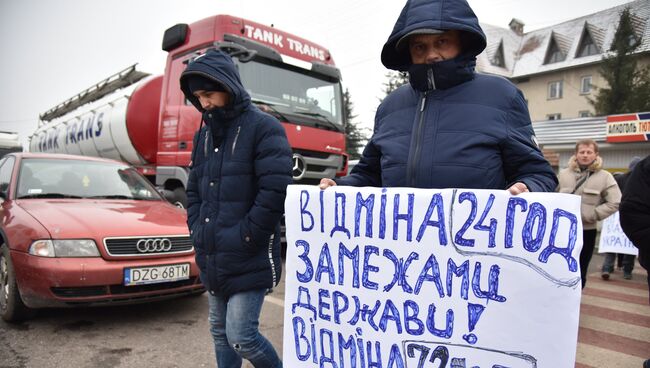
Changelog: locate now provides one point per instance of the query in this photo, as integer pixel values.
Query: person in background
(635, 215)
(628, 259)
(240, 169)
(599, 194)
(450, 127)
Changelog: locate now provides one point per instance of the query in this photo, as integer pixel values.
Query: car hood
(65, 218)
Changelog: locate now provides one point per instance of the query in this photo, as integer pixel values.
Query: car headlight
(64, 248)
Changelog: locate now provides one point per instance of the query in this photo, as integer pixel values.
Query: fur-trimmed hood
(595, 166)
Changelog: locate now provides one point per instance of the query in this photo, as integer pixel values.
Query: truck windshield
(294, 95)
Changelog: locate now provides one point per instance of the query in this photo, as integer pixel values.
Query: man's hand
(326, 183)
(516, 188)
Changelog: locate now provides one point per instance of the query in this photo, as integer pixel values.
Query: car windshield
(294, 95)
(60, 178)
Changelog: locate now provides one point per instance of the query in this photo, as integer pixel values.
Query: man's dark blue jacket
(241, 166)
(635, 210)
(471, 133)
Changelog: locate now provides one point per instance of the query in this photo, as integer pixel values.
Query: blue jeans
(234, 324)
(610, 259)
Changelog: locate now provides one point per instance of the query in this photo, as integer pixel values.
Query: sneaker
(605, 275)
(627, 275)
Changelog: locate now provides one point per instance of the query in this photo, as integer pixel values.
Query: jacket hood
(434, 14)
(595, 166)
(219, 67)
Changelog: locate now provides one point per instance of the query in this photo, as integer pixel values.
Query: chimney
(517, 26)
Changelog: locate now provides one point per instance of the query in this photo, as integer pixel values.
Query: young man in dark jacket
(241, 166)
(449, 127)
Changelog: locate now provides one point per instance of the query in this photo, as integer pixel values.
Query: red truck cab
(287, 76)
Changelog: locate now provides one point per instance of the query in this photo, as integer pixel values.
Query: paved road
(614, 320)
(614, 331)
(165, 334)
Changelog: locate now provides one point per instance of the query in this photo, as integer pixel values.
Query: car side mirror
(167, 194)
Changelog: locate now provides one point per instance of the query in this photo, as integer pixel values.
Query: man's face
(211, 99)
(586, 154)
(428, 49)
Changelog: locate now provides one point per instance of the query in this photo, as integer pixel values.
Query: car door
(6, 169)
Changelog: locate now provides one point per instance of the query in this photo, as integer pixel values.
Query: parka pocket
(591, 196)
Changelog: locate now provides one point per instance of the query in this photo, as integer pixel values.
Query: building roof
(569, 131)
(525, 54)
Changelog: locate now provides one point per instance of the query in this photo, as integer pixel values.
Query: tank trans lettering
(264, 36)
(275, 39)
(86, 129)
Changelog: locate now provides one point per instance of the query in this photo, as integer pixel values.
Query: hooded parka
(450, 127)
(241, 166)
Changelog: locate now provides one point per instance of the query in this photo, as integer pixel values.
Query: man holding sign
(396, 276)
(450, 127)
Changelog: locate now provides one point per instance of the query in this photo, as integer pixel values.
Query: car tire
(12, 308)
(180, 197)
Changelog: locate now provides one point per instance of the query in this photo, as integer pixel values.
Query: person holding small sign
(599, 192)
(627, 259)
(450, 127)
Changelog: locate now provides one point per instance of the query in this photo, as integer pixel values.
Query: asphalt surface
(614, 331)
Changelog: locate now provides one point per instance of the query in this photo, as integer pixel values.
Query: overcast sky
(54, 49)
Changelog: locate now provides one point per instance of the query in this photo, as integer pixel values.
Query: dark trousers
(588, 243)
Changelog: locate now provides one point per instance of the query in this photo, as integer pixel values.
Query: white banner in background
(415, 278)
(612, 238)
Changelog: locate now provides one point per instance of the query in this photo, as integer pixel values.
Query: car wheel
(12, 308)
(180, 197)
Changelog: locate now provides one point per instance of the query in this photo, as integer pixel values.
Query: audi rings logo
(299, 167)
(154, 245)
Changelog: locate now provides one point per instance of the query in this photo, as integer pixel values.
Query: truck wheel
(12, 308)
(180, 197)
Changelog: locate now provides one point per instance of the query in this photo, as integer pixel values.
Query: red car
(80, 231)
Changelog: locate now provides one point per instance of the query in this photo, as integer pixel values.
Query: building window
(555, 90)
(554, 53)
(587, 46)
(556, 116)
(498, 59)
(584, 114)
(585, 85)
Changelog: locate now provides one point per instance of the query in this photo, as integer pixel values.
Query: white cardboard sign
(418, 278)
(613, 239)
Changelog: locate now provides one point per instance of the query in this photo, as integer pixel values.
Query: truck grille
(319, 165)
(148, 245)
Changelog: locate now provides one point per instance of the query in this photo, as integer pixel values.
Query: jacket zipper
(234, 143)
(205, 144)
(410, 174)
(275, 277)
